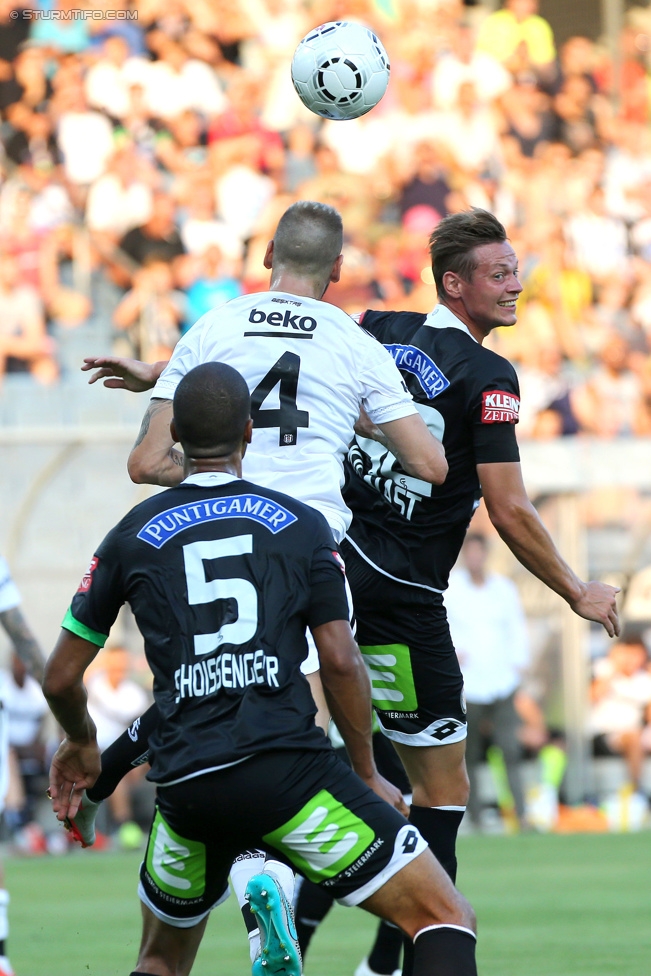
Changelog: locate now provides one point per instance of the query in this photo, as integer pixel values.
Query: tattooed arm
(24, 642)
(154, 460)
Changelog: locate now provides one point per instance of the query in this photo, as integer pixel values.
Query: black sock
(384, 957)
(445, 951)
(439, 828)
(129, 749)
(3, 951)
(312, 906)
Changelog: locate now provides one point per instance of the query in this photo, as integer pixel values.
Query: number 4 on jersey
(287, 417)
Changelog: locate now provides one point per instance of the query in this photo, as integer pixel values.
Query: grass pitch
(547, 906)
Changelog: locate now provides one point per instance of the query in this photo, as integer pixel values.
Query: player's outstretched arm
(348, 694)
(519, 524)
(154, 460)
(76, 763)
(418, 451)
(119, 373)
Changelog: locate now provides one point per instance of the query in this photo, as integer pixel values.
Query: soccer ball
(340, 70)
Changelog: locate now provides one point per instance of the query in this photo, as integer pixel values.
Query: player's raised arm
(418, 451)
(154, 460)
(348, 694)
(76, 763)
(120, 373)
(519, 525)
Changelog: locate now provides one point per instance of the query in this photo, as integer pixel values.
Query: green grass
(547, 906)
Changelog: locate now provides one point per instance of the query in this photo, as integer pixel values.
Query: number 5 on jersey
(287, 417)
(241, 591)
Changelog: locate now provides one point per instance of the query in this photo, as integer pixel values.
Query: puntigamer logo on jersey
(499, 407)
(415, 361)
(284, 320)
(164, 526)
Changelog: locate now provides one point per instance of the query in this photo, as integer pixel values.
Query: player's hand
(75, 767)
(388, 792)
(123, 374)
(598, 602)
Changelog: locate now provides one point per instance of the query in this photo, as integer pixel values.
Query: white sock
(242, 870)
(4, 920)
(285, 877)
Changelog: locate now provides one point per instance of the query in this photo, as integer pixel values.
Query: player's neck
(230, 464)
(295, 285)
(458, 310)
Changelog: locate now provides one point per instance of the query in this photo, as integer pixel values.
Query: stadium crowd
(147, 159)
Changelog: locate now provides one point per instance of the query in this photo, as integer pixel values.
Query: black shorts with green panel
(403, 633)
(308, 808)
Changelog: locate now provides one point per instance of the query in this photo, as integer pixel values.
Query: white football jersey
(309, 368)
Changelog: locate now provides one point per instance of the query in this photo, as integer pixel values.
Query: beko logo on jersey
(166, 525)
(499, 408)
(300, 323)
(415, 361)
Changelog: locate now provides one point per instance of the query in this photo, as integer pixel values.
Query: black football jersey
(469, 398)
(223, 577)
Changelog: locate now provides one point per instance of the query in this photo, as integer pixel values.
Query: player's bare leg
(424, 903)
(166, 950)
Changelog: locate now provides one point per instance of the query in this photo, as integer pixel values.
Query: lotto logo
(499, 407)
(301, 323)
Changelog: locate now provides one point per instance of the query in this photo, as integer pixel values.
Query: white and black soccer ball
(340, 70)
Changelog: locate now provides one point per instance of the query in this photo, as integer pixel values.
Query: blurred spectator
(25, 708)
(176, 82)
(621, 704)
(121, 198)
(465, 63)
(599, 241)
(469, 130)
(518, 37)
(212, 280)
(115, 700)
(109, 80)
(151, 312)
(24, 344)
(428, 186)
(608, 403)
(67, 34)
(85, 136)
(157, 236)
(545, 387)
(488, 628)
(181, 146)
(527, 115)
(201, 228)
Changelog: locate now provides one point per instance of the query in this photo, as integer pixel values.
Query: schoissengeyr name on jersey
(226, 671)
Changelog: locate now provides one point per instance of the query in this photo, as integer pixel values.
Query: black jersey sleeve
(100, 595)
(327, 585)
(494, 413)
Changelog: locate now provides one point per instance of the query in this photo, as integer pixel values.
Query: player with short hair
(223, 576)
(406, 535)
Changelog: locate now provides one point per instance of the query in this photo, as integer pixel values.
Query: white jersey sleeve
(309, 368)
(9, 595)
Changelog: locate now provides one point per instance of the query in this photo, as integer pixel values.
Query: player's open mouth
(510, 304)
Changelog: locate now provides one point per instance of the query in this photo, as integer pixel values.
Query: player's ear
(268, 256)
(451, 283)
(248, 431)
(335, 274)
(173, 431)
